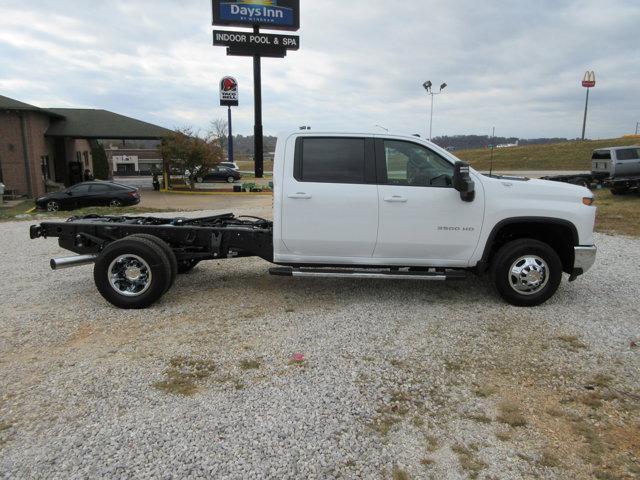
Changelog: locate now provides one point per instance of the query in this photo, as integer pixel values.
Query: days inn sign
(270, 14)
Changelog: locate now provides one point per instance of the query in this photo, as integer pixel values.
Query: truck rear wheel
(526, 272)
(132, 273)
(167, 251)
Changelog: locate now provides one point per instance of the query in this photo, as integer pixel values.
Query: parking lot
(397, 379)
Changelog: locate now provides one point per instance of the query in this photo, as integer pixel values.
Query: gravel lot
(399, 380)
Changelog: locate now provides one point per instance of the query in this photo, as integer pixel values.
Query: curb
(235, 194)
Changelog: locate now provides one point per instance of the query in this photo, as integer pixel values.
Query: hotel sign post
(269, 14)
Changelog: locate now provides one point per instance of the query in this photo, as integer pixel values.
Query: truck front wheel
(526, 272)
(132, 273)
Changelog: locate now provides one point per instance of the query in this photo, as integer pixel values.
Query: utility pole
(637, 125)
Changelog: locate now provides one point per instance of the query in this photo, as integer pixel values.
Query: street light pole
(431, 119)
(427, 86)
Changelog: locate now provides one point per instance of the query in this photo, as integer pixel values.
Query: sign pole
(258, 152)
(586, 106)
(230, 137)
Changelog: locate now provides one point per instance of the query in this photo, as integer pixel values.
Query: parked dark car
(90, 194)
(220, 173)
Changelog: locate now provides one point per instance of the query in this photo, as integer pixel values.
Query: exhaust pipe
(75, 261)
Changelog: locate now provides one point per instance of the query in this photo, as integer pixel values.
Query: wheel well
(559, 235)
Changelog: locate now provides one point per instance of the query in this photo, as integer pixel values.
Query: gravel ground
(399, 380)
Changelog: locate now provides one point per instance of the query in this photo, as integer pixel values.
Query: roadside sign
(270, 14)
(228, 92)
(250, 40)
(273, 52)
(589, 79)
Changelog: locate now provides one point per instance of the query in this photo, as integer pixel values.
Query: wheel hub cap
(528, 274)
(129, 275)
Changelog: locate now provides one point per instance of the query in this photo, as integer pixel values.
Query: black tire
(167, 251)
(504, 260)
(230, 179)
(155, 259)
(186, 266)
(115, 203)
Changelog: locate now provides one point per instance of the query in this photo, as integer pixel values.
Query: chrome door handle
(299, 195)
(395, 199)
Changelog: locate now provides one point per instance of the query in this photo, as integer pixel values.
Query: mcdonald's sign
(589, 79)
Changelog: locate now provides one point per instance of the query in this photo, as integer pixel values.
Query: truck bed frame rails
(204, 238)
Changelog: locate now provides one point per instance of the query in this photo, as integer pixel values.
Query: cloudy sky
(515, 65)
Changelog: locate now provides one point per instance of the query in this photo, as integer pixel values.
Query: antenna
(493, 140)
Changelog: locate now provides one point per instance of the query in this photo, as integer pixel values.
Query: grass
(249, 364)
(183, 374)
(399, 474)
(484, 391)
(549, 459)
(510, 414)
(571, 343)
(556, 156)
(9, 213)
(617, 214)
(468, 461)
(479, 418)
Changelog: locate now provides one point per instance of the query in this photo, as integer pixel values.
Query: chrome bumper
(584, 257)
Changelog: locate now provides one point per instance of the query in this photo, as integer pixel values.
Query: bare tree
(218, 132)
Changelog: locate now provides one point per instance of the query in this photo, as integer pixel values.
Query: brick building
(43, 149)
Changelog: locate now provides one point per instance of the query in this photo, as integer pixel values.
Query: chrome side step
(439, 275)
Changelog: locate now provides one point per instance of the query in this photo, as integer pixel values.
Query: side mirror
(462, 181)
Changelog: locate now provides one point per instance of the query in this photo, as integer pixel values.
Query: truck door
(422, 218)
(330, 200)
(627, 161)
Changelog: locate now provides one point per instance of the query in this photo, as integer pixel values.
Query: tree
(219, 131)
(185, 152)
(100, 163)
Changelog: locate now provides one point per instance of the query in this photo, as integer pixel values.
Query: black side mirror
(462, 181)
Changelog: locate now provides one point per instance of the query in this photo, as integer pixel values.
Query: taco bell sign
(228, 92)
(270, 14)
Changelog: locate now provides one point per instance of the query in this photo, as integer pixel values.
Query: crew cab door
(330, 200)
(627, 161)
(423, 220)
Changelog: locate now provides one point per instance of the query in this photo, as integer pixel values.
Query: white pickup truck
(357, 205)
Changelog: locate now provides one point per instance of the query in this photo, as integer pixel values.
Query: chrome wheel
(53, 206)
(129, 275)
(528, 274)
(231, 179)
(115, 203)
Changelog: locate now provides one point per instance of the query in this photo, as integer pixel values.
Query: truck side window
(628, 154)
(414, 165)
(330, 160)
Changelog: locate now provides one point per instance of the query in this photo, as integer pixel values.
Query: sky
(514, 65)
